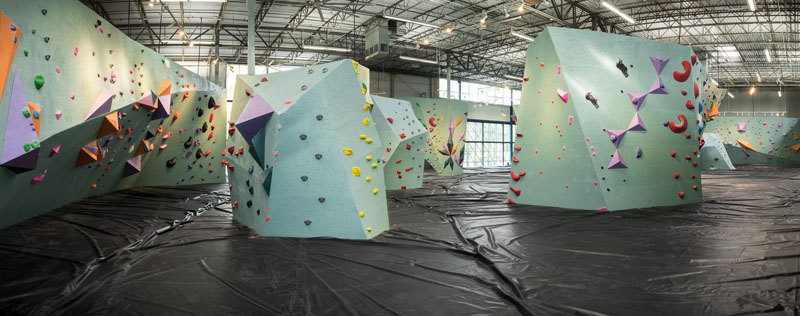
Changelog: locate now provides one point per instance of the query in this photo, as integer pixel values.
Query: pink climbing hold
(602, 209)
(58, 114)
(55, 150)
(58, 70)
(75, 52)
(570, 120)
(72, 96)
(563, 95)
(39, 178)
(559, 70)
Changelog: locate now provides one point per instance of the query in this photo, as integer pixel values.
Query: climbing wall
(759, 140)
(713, 155)
(404, 138)
(605, 123)
(304, 155)
(84, 111)
(446, 121)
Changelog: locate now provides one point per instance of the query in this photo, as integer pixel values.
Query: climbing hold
(375, 191)
(683, 75)
(366, 121)
(621, 66)
(689, 105)
(171, 162)
(681, 194)
(360, 214)
(563, 95)
(679, 128)
(356, 171)
(347, 151)
(38, 81)
(592, 99)
(516, 191)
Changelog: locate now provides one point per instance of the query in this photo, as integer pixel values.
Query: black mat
(455, 248)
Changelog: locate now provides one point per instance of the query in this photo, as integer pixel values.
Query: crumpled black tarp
(455, 248)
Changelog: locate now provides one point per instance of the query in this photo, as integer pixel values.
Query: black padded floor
(455, 248)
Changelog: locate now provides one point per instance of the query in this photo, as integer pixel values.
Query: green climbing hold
(26, 147)
(38, 81)
(26, 53)
(35, 143)
(33, 31)
(26, 113)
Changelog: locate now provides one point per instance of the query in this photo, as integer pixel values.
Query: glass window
(488, 144)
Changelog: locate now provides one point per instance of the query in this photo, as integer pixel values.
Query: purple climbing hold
(637, 98)
(616, 136)
(637, 124)
(617, 162)
(659, 63)
(639, 152)
(658, 87)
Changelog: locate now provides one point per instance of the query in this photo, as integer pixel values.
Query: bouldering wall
(404, 138)
(713, 155)
(759, 140)
(304, 154)
(446, 121)
(84, 111)
(604, 124)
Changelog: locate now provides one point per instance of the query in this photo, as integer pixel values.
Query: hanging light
(779, 93)
(766, 53)
(758, 76)
(752, 90)
(448, 30)
(522, 36)
(425, 41)
(521, 7)
(483, 19)
(614, 9)
(751, 4)
(191, 44)
(731, 95)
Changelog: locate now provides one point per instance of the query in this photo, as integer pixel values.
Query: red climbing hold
(391, 120)
(681, 194)
(516, 191)
(514, 176)
(694, 59)
(266, 218)
(264, 79)
(402, 187)
(402, 135)
(431, 121)
(231, 131)
(408, 146)
(693, 176)
(231, 149)
(694, 163)
(696, 90)
(683, 92)
(688, 157)
(517, 148)
(211, 134)
(511, 201)
(694, 187)
(672, 153)
(676, 175)
(689, 105)
(679, 128)
(211, 117)
(519, 134)
(683, 75)
(514, 159)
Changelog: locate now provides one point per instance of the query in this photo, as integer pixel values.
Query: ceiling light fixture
(427, 61)
(521, 7)
(758, 76)
(766, 53)
(779, 93)
(751, 4)
(397, 18)
(731, 95)
(448, 30)
(326, 48)
(522, 36)
(614, 9)
(483, 19)
(752, 90)
(425, 41)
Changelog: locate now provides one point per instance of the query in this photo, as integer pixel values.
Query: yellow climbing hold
(369, 158)
(375, 191)
(441, 118)
(363, 136)
(360, 214)
(369, 179)
(363, 90)
(374, 165)
(366, 107)
(366, 121)
(369, 229)
(357, 171)
(348, 151)
(368, 140)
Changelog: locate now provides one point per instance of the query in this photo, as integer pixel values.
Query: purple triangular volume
(637, 124)
(254, 117)
(616, 136)
(102, 104)
(132, 166)
(164, 102)
(19, 131)
(658, 87)
(659, 63)
(637, 98)
(741, 126)
(617, 162)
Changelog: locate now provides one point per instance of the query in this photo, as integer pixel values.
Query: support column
(216, 56)
(251, 37)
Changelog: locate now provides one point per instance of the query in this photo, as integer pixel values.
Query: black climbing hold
(319, 117)
(199, 153)
(44, 11)
(200, 112)
(307, 222)
(186, 144)
(304, 178)
(47, 57)
(250, 189)
(205, 127)
(304, 87)
(303, 136)
(249, 203)
(324, 70)
(46, 39)
(592, 99)
(321, 199)
(621, 66)
(149, 135)
(318, 156)
(310, 71)
(258, 212)
(247, 182)
(211, 103)
(250, 170)
(171, 163)
(98, 23)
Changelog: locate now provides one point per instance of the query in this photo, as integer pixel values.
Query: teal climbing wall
(604, 124)
(305, 154)
(713, 155)
(63, 63)
(404, 138)
(446, 121)
(772, 140)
